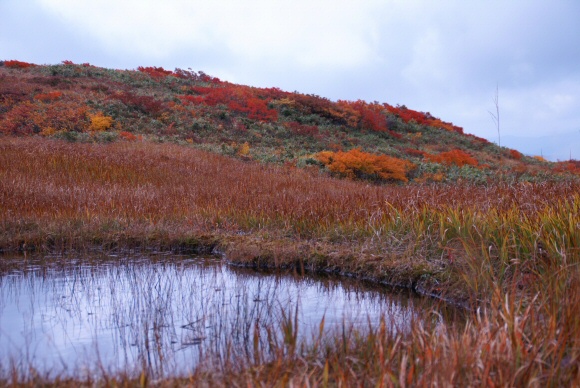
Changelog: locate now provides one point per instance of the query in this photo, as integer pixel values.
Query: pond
(163, 313)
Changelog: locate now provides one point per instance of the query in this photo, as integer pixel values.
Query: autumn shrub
(145, 104)
(243, 150)
(28, 118)
(13, 64)
(362, 165)
(358, 114)
(48, 97)
(372, 116)
(237, 98)
(540, 158)
(128, 136)
(155, 72)
(410, 115)
(406, 114)
(414, 152)
(100, 122)
(514, 154)
(456, 157)
(570, 166)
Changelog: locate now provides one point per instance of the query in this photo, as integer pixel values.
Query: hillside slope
(356, 139)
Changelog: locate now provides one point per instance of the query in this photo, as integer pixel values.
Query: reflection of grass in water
(166, 318)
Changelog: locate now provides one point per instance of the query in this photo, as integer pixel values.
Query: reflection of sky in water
(163, 313)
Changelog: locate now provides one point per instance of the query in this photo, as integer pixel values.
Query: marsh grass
(95, 317)
(508, 252)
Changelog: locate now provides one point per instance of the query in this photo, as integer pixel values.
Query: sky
(446, 57)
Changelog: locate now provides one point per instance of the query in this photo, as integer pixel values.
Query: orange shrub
(540, 158)
(358, 164)
(48, 97)
(100, 122)
(457, 157)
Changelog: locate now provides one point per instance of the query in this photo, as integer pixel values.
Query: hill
(141, 170)
(356, 139)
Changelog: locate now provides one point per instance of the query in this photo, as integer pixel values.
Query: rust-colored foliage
(129, 136)
(372, 115)
(414, 152)
(237, 98)
(407, 114)
(456, 157)
(430, 177)
(14, 64)
(145, 104)
(358, 114)
(570, 166)
(28, 118)
(421, 118)
(48, 97)
(514, 154)
(358, 164)
(155, 72)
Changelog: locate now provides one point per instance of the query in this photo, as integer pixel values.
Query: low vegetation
(84, 103)
(510, 250)
(93, 158)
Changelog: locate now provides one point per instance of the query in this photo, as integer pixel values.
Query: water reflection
(163, 314)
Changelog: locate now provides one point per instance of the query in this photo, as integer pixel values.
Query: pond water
(162, 313)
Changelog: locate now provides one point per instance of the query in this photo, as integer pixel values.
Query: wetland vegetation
(256, 185)
(166, 314)
(507, 252)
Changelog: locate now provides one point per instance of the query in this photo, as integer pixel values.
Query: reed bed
(507, 251)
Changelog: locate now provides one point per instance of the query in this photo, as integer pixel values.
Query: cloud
(445, 57)
(304, 33)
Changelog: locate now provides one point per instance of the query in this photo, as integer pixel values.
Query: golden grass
(510, 250)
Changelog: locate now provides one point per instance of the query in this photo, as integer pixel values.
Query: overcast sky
(442, 57)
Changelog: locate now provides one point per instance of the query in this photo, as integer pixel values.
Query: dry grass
(511, 250)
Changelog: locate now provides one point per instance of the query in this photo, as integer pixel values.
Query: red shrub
(155, 72)
(457, 157)
(145, 104)
(237, 98)
(514, 154)
(571, 166)
(128, 136)
(14, 64)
